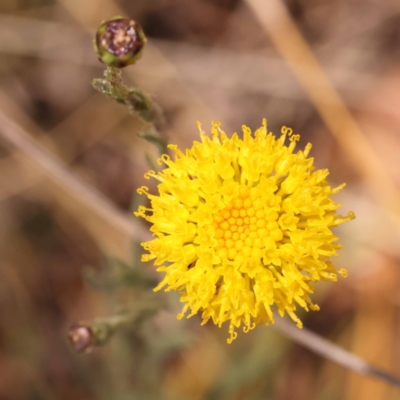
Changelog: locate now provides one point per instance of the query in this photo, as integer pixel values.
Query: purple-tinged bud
(81, 337)
(119, 42)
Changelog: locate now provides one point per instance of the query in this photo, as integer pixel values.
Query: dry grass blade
(70, 190)
(289, 41)
(332, 352)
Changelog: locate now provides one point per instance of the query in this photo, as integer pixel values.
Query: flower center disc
(244, 225)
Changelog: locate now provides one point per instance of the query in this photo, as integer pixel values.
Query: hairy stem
(138, 105)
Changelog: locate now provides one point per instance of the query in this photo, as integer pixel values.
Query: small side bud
(81, 337)
(119, 42)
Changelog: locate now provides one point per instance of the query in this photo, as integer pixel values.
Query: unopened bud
(81, 337)
(119, 42)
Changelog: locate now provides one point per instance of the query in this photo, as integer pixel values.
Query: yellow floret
(242, 227)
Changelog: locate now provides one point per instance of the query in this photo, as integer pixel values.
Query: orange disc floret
(242, 227)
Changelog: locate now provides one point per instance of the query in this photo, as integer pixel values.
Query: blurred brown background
(70, 162)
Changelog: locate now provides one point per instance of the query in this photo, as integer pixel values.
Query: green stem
(138, 105)
(84, 336)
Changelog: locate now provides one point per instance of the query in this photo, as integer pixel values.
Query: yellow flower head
(242, 226)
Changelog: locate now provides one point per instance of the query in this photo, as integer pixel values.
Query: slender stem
(84, 336)
(333, 352)
(138, 104)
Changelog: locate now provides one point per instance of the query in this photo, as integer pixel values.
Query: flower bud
(119, 42)
(81, 337)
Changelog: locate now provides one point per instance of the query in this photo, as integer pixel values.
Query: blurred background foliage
(70, 161)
